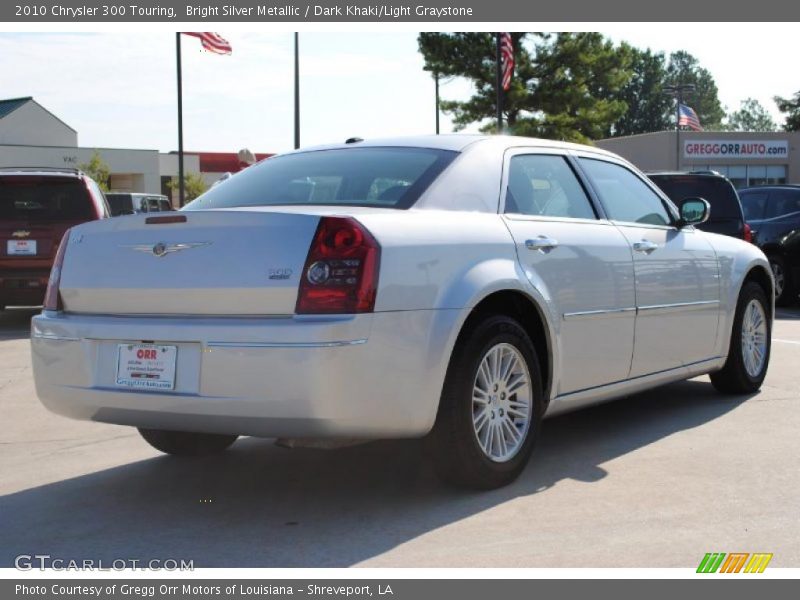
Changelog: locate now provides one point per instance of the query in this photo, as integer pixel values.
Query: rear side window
(544, 185)
(35, 199)
(719, 193)
(164, 205)
(782, 202)
(385, 177)
(120, 204)
(754, 204)
(625, 196)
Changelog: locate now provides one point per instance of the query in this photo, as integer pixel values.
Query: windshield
(33, 198)
(381, 177)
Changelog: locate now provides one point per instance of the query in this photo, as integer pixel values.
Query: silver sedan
(459, 288)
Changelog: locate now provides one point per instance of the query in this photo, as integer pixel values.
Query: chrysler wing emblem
(21, 234)
(162, 249)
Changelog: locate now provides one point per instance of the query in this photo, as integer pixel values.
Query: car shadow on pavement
(15, 323)
(261, 505)
(787, 313)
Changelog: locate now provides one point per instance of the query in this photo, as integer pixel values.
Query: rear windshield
(119, 203)
(381, 177)
(718, 191)
(24, 198)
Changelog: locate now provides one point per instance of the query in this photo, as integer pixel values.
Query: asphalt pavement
(654, 480)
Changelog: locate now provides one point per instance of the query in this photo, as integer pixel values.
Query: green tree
(98, 170)
(751, 116)
(193, 183)
(791, 107)
(564, 84)
(683, 68)
(648, 107)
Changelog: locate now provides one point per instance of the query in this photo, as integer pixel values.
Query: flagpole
(181, 184)
(499, 69)
(296, 90)
(436, 80)
(678, 130)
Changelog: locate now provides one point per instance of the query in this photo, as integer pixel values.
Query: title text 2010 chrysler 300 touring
(459, 287)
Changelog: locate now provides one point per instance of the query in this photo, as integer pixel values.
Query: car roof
(684, 174)
(43, 171)
(774, 186)
(457, 142)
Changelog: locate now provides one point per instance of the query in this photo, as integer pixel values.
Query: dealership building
(747, 159)
(32, 136)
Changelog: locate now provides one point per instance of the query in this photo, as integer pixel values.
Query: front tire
(184, 443)
(491, 407)
(751, 338)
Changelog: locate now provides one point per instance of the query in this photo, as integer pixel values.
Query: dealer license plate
(146, 366)
(21, 248)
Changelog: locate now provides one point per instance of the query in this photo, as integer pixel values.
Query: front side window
(624, 195)
(545, 185)
(371, 176)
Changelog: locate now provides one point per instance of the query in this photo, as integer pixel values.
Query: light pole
(678, 92)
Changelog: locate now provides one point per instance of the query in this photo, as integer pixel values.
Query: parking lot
(654, 480)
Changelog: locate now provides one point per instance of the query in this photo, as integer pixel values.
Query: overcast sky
(118, 89)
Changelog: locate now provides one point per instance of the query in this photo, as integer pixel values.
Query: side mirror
(694, 211)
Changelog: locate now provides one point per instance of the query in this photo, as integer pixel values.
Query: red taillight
(52, 299)
(748, 233)
(341, 271)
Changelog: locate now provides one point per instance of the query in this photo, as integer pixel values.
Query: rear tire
(785, 288)
(184, 443)
(478, 408)
(745, 368)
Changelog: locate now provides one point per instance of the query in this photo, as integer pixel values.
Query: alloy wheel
(754, 338)
(502, 401)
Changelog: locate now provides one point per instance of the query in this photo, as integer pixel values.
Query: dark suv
(726, 216)
(773, 211)
(37, 205)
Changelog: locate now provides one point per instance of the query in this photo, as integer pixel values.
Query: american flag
(507, 59)
(213, 42)
(688, 118)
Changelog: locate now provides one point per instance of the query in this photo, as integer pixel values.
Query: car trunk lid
(215, 262)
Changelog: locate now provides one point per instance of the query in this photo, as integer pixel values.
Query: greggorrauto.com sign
(735, 149)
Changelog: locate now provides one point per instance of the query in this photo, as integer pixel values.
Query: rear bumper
(368, 376)
(23, 288)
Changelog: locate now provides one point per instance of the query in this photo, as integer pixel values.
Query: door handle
(645, 246)
(542, 244)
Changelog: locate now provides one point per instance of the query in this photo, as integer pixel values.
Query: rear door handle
(542, 244)
(645, 246)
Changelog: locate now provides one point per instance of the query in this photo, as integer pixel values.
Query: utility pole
(181, 183)
(678, 92)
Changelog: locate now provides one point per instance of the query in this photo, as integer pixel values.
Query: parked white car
(456, 287)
